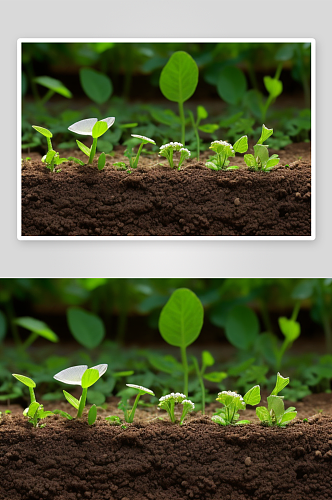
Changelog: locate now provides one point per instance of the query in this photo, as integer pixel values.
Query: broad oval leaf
(273, 86)
(43, 131)
(288, 416)
(241, 145)
(87, 328)
(216, 377)
(250, 160)
(97, 86)
(207, 358)
(25, 380)
(36, 326)
(231, 85)
(99, 129)
(179, 77)
(242, 327)
(290, 329)
(181, 319)
(202, 114)
(92, 415)
(3, 326)
(253, 396)
(263, 414)
(53, 84)
(89, 378)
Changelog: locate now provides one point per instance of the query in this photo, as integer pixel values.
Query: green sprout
(168, 150)
(169, 401)
(120, 165)
(275, 413)
(129, 416)
(113, 420)
(260, 160)
(29, 383)
(143, 140)
(95, 128)
(234, 402)
(85, 377)
(217, 377)
(225, 150)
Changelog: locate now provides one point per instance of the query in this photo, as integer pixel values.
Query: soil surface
(154, 200)
(153, 459)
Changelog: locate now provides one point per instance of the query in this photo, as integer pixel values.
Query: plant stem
(196, 133)
(183, 125)
(185, 369)
(32, 337)
(47, 97)
(93, 151)
(82, 402)
(201, 382)
(296, 310)
(32, 395)
(138, 155)
(132, 413)
(49, 144)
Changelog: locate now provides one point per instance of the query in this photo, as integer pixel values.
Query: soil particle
(158, 201)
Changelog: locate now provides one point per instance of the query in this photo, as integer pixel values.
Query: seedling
(35, 413)
(207, 360)
(233, 403)
(169, 401)
(143, 140)
(225, 150)
(52, 158)
(95, 128)
(261, 160)
(129, 416)
(120, 165)
(113, 420)
(83, 376)
(208, 128)
(168, 150)
(180, 323)
(275, 413)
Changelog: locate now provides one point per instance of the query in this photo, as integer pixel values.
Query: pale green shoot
(225, 150)
(275, 413)
(129, 416)
(169, 401)
(260, 160)
(143, 140)
(95, 128)
(233, 403)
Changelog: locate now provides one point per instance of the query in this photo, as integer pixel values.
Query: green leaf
(276, 404)
(92, 415)
(280, 384)
(179, 77)
(63, 414)
(250, 160)
(290, 329)
(50, 156)
(262, 153)
(3, 326)
(202, 114)
(216, 377)
(97, 86)
(43, 131)
(76, 160)
(33, 408)
(242, 327)
(263, 414)
(101, 161)
(99, 129)
(272, 162)
(231, 85)
(90, 377)
(55, 85)
(83, 148)
(25, 380)
(253, 396)
(96, 397)
(242, 422)
(72, 400)
(36, 326)
(181, 319)
(288, 416)
(266, 133)
(87, 328)
(241, 145)
(208, 128)
(207, 359)
(273, 86)
(211, 165)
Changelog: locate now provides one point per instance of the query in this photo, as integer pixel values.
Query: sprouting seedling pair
(52, 158)
(85, 377)
(169, 401)
(225, 150)
(275, 413)
(133, 161)
(129, 415)
(168, 150)
(260, 160)
(233, 403)
(95, 128)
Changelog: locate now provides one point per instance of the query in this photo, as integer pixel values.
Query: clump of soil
(157, 201)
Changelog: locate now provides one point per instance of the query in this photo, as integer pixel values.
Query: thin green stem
(196, 133)
(201, 382)
(49, 144)
(32, 395)
(30, 340)
(138, 155)
(47, 97)
(171, 158)
(93, 151)
(132, 413)
(183, 125)
(185, 369)
(296, 310)
(82, 403)
(278, 71)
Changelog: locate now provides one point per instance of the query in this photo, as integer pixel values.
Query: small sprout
(168, 150)
(113, 420)
(35, 413)
(92, 415)
(83, 376)
(143, 140)
(169, 401)
(225, 150)
(129, 417)
(120, 165)
(275, 413)
(184, 155)
(93, 127)
(101, 161)
(305, 420)
(233, 402)
(261, 160)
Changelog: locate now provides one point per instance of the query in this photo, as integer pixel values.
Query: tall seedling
(178, 82)
(180, 323)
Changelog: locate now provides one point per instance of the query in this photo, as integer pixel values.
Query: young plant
(260, 160)
(52, 158)
(143, 140)
(95, 128)
(169, 401)
(129, 416)
(217, 377)
(208, 128)
(233, 403)
(180, 323)
(275, 413)
(35, 413)
(113, 420)
(83, 376)
(167, 150)
(225, 150)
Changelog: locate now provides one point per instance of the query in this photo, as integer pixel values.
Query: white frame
(312, 41)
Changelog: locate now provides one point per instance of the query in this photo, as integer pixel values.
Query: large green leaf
(242, 327)
(87, 328)
(253, 396)
(181, 319)
(179, 77)
(97, 86)
(36, 326)
(55, 85)
(231, 85)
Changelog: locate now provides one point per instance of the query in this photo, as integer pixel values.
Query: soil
(157, 201)
(153, 459)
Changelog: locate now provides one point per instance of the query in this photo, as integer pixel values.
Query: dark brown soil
(155, 460)
(82, 201)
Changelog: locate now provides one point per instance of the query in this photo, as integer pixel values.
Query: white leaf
(83, 127)
(72, 375)
(101, 369)
(110, 120)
